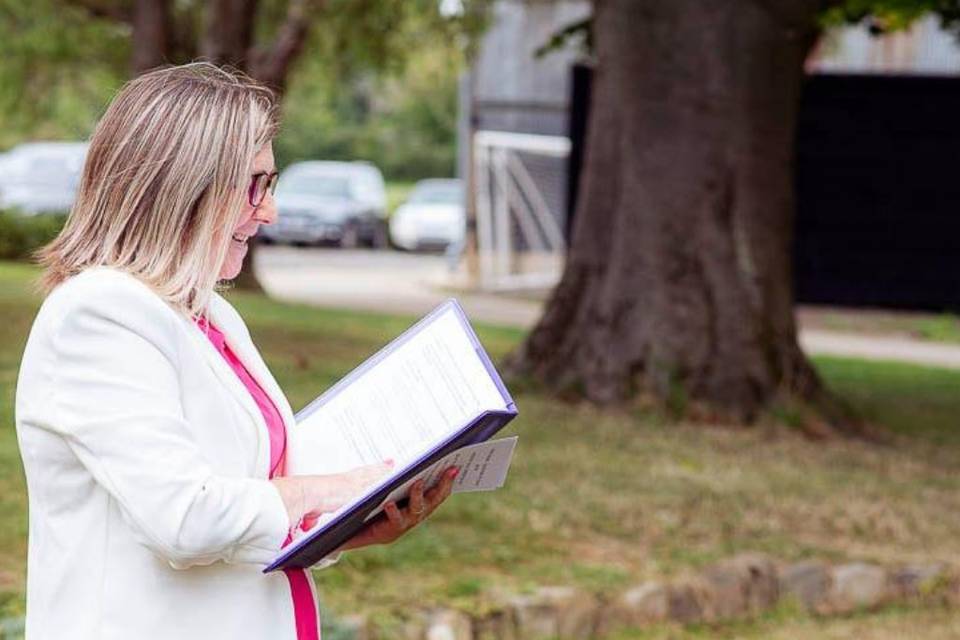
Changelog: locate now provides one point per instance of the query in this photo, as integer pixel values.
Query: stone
(857, 586)
(806, 582)
(689, 601)
(447, 624)
(743, 585)
(639, 606)
(918, 580)
(499, 624)
(556, 612)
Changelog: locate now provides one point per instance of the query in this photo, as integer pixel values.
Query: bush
(21, 235)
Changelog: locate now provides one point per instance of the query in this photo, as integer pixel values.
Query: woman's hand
(308, 497)
(398, 521)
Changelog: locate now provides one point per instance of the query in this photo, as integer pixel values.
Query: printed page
(483, 467)
(420, 393)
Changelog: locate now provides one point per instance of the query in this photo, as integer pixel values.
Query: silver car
(41, 177)
(341, 203)
(433, 216)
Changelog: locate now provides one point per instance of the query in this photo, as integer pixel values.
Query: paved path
(395, 282)
(867, 347)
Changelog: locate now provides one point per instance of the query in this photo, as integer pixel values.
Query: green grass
(932, 327)
(600, 499)
(907, 399)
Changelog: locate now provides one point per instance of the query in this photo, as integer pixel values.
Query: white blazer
(146, 461)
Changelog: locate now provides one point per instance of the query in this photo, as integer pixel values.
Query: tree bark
(271, 65)
(150, 21)
(679, 279)
(228, 33)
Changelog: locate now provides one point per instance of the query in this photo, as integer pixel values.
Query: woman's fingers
(330, 492)
(417, 506)
(395, 515)
(398, 521)
(441, 491)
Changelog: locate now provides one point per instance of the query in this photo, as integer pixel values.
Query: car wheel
(380, 238)
(351, 236)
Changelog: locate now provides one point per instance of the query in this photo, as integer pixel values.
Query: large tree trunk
(678, 280)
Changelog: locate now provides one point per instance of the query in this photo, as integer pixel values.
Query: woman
(151, 431)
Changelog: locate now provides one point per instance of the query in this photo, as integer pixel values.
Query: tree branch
(105, 10)
(271, 64)
(793, 14)
(151, 34)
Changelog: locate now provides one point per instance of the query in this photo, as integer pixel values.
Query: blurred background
(712, 245)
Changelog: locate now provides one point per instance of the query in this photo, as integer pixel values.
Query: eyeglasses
(260, 183)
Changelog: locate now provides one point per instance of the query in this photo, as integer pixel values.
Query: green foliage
(58, 68)
(20, 235)
(376, 80)
(403, 121)
(580, 33)
(355, 35)
(941, 328)
(883, 16)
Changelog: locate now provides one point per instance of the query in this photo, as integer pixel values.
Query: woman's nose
(266, 213)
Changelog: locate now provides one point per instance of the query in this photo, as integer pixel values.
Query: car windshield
(437, 194)
(305, 184)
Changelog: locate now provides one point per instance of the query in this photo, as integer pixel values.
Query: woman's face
(250, 217)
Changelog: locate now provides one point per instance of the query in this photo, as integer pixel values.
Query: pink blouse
(304, 604)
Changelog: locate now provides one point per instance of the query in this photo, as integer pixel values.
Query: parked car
(342, 203)
(41, 177)
(432, 217)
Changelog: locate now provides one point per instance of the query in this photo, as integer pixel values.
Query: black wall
(878, 192)
(878, 189)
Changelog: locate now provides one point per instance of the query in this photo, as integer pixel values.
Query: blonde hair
(165, 178)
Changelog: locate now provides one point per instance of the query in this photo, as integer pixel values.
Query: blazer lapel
(237, 339)
(229, 378)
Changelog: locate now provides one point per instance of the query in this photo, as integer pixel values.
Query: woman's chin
(229, 275)
(231, 269)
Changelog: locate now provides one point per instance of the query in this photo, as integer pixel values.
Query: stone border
(742, 587)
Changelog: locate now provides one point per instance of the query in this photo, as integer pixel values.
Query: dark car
(341, 203)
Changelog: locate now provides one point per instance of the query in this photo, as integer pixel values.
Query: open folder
(430, 399)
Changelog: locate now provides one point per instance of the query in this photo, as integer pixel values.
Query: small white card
(483, 467)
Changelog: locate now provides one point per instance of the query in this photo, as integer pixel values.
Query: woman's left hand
(398, 521)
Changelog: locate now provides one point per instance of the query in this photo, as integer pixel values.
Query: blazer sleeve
(117, 404)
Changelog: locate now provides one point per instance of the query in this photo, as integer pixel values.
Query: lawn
(604, 499)
(932, 327)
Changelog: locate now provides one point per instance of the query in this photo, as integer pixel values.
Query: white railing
(520, 239)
